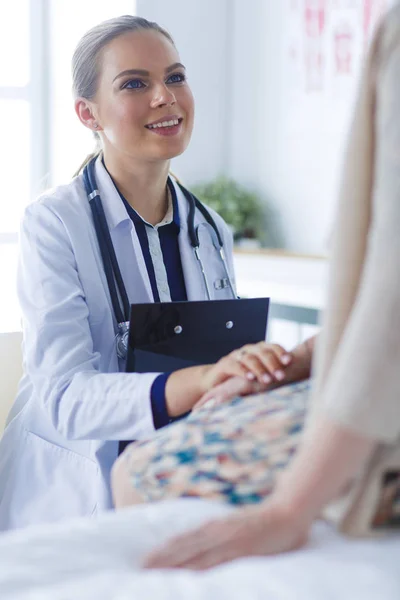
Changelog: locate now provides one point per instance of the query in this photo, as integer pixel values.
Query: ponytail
(96, 152)
(87, 161)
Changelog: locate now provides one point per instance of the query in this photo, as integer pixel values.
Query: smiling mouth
(165, 124)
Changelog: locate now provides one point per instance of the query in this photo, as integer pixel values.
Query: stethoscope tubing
(110, 263)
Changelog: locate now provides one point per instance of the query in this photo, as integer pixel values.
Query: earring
(95, 125)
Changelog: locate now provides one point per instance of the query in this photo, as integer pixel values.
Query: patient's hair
(86, 60)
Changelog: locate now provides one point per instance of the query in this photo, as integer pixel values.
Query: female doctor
(74, 405)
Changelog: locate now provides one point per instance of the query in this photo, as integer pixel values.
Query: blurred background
(274, 82)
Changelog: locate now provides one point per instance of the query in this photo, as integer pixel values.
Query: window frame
(36, 93)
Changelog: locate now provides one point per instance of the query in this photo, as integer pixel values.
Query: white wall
(255, 119)
(251, 99)
(289, 141)
(201, 32)
(256, 107)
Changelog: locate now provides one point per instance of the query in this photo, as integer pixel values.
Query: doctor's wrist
(184, 388)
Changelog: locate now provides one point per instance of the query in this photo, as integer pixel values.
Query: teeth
(171, 123)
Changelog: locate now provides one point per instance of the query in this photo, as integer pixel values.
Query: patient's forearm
(329, 458)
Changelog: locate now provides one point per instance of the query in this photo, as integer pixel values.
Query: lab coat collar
(113, 206)
(175, 208)
(195, 288)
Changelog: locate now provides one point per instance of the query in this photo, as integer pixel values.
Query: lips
(167, 126)
(164, 123)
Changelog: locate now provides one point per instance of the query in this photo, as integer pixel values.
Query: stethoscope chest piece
(122, 339)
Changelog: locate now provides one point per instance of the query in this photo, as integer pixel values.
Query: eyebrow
(144, 73)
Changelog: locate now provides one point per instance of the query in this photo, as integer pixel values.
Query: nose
(163, 96)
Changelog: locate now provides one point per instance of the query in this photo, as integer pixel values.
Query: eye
(133, 84)
(176, 78)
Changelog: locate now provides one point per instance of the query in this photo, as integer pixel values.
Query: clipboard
(167, 336)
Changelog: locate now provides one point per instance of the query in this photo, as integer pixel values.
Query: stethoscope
(111, 268)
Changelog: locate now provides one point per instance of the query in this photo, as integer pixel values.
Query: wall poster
(328, 38)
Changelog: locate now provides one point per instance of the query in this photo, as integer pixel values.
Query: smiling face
(143, 105)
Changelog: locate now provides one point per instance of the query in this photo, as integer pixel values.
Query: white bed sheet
(99, 559)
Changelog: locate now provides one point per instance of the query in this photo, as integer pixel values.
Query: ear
(84, 110)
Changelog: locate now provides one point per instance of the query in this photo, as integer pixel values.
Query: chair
(10, 371)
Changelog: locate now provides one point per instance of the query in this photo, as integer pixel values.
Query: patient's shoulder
(388, 34)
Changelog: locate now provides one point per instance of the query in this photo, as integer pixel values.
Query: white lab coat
(73, 404)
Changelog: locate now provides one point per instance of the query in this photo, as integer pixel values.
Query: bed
(100, 559)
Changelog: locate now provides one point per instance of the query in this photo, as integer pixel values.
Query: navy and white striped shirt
(160, 247)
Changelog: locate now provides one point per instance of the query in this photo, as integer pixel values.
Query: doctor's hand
(254, 364)
(281, 368)
(270, 361)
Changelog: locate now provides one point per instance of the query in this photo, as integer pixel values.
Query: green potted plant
(251, 219)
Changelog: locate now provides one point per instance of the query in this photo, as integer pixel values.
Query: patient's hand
(251, 531)
(236, 386)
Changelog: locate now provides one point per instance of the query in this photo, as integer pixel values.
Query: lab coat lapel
(125, 240)
(195, 288)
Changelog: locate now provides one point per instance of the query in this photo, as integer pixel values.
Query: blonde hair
(86, 59)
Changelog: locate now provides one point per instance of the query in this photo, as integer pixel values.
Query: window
(15, 118)
(70, 142)
(15, 149)
(42, 140)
